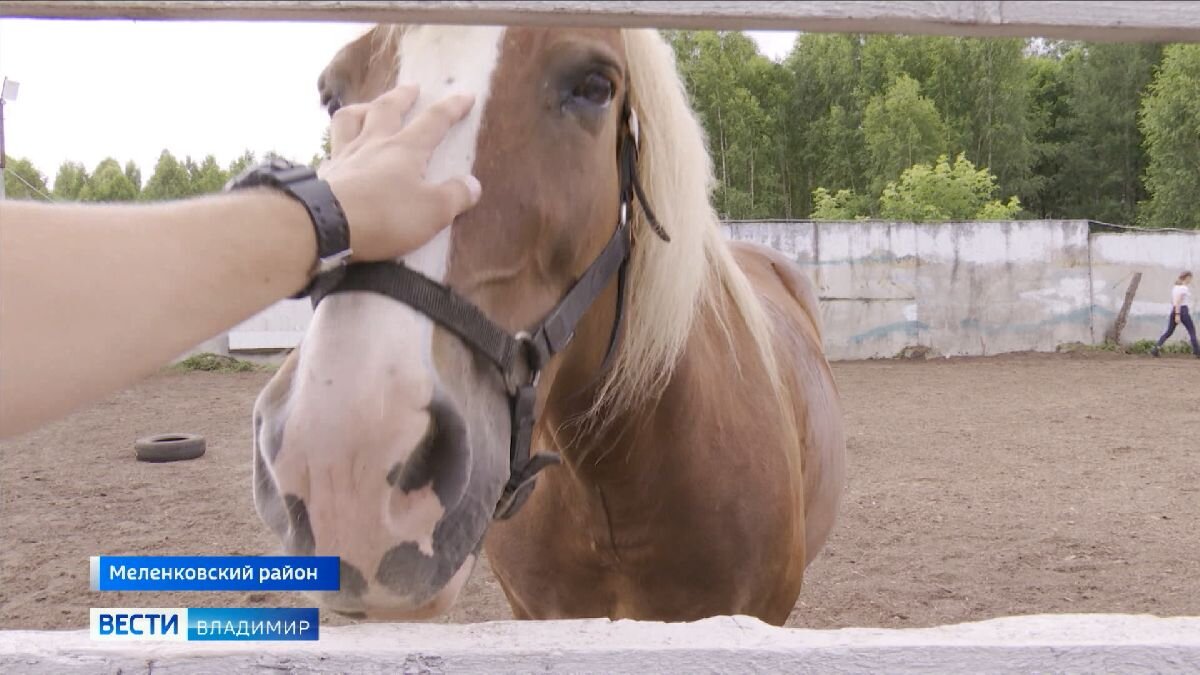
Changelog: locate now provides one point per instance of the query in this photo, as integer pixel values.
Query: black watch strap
(329, 220)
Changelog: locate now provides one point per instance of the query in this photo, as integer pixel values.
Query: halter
(520, 358)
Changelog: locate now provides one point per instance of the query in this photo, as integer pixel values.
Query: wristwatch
(329, 221)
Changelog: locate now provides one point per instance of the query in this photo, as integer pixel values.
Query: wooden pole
(1114, 335)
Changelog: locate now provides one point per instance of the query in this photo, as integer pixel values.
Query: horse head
(384, 439)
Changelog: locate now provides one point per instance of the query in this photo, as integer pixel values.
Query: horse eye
(595, 89)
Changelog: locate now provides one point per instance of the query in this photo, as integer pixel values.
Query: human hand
(377, 171)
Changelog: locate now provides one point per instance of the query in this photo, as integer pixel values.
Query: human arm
(94, 297)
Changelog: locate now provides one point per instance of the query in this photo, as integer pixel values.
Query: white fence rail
(1117, 21)
(1076, 643)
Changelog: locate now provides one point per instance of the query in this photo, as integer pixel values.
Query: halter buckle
(514, 379)
(523, 466)
(520, 487)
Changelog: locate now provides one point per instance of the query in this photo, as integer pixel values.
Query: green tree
(983, 91)
(944, 192)
(193, 172)
(1053, 122)
(240, 164)
(208, 177)
(69, 181)
(822, 118)
(1104, 158)
(326, 150)
(770, 84)
(735, 92)
(23, 181)
(108, 183)
(170, 180)
(980, 88)
(901, 128)
(1170, 120)
(134, 174)
(1047, 190)
(886, 57)
(842, 205)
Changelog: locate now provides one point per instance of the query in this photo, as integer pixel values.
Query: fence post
(1114, 335)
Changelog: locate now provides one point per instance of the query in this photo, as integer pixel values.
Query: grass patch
(215, 363)
(1144, 347)
(1139, 347)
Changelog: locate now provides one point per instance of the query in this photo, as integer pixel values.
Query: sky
(129, 89)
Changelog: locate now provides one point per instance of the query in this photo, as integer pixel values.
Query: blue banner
(215, 573)
(251, 624)
(204, 624)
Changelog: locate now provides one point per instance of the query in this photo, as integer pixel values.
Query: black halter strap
(520, 358)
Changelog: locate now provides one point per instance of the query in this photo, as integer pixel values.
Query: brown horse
(701, 472)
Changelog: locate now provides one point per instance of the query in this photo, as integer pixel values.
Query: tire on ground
(169, 447)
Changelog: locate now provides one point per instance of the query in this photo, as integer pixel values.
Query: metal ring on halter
(511, 378)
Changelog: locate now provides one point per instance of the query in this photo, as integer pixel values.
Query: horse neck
(626, 442)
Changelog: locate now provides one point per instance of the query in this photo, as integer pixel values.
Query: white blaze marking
(365, 373)
(441, 60)
(445, 61)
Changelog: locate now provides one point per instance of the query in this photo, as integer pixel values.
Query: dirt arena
(978, 488)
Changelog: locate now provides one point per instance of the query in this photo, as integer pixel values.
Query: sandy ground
(977, 488)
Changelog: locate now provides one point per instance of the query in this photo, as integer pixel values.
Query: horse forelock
(385, 45)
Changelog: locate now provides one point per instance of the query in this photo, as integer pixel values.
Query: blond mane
(672, 283)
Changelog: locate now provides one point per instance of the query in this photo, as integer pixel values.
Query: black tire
(169, 447)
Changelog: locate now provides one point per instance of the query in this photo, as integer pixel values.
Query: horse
(694, 416)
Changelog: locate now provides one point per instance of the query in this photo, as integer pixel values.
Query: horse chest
(652, 569)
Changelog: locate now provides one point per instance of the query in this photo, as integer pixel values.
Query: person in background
(1181, 300)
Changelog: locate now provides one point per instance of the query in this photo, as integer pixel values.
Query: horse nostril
(440, 460)
(334, 105)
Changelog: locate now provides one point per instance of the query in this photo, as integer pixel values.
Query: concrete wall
(215, 345)
(279, 328)
(1160, 256)
(264, 337)
(977, 288)
(973, 288)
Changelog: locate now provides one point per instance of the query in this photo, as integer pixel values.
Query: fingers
(458, 195)
(430, 127)
(346, 125)
(385, 115)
